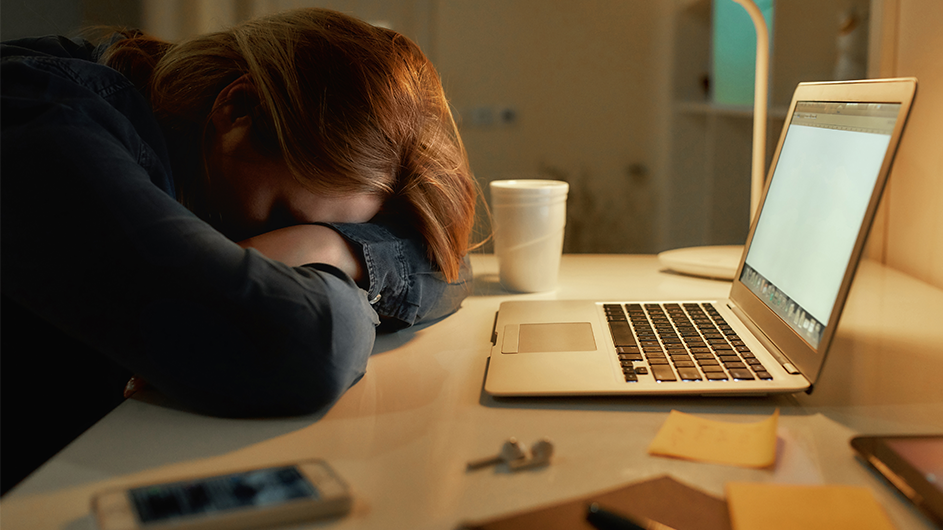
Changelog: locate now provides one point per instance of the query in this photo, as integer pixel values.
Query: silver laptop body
(773, 332)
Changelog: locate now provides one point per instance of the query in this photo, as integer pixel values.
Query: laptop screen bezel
(798, 351)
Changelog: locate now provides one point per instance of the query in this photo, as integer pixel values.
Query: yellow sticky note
(737, 444)
(760, 506)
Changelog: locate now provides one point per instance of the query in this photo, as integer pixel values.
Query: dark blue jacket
(94, 242)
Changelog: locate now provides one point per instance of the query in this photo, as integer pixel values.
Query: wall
(31, 18)
(907, 42)
(26, 18)
(584, 85)
(177, 19)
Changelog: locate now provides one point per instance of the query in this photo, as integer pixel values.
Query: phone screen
(912, 464)
(257, 488)
(924, 454)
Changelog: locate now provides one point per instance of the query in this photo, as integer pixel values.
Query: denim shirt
(95, 243)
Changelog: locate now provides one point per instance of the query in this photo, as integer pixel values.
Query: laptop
(772, 333)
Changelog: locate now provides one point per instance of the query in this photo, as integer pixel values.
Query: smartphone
(245, 499)
(912, 464)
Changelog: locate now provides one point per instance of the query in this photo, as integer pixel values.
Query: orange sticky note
(737, 444)
(760, 506)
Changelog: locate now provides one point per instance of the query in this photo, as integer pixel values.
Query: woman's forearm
(304, 244)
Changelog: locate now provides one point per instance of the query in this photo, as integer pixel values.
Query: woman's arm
(93, 245)
(390, 263)
(305, 244)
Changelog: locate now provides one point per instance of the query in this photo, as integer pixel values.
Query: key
(540, 454)
(511, 451)
(663, 372)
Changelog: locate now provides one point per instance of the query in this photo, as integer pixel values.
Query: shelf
(744, 111)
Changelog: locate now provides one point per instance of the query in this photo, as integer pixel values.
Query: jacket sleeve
(405, 288)
(92, 244)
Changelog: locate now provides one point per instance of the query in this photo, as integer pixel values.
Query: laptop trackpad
(553, 337)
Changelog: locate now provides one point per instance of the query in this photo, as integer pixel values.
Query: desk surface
(402, 435)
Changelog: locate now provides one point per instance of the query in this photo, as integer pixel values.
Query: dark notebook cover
(662, 499)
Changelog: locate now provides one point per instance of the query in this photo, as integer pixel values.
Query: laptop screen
(818, 196)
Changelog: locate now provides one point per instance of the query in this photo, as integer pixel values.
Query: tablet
(912, 464)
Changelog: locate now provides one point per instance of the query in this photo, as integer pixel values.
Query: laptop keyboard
(679, 342)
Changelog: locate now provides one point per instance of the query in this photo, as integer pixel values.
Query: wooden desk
(403, 434)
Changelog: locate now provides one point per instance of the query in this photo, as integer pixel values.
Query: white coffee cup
(529, 217)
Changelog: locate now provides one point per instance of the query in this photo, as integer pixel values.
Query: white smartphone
(245, 499)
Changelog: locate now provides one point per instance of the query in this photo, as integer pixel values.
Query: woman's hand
(303, 244)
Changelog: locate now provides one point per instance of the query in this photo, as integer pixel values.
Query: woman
(322, 145)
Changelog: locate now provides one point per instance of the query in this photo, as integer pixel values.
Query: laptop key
(663, 372)
(689, 374)
(621, 334)
(741, 374)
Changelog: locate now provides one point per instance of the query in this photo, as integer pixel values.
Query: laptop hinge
(770, 346)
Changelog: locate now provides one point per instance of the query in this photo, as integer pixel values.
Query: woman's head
(348, 109)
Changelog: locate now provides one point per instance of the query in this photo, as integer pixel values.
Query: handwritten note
(737, 444)
(760, 506)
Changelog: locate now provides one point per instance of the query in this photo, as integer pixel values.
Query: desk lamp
(721, 261)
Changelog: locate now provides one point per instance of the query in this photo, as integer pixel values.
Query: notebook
(772, 333)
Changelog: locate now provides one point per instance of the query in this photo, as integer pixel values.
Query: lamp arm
(761, 85)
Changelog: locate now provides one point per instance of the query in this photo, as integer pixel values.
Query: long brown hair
(350, 107)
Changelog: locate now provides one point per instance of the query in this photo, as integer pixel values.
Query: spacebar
(663, 372)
